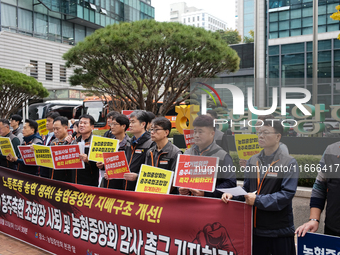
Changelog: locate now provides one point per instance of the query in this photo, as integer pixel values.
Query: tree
(16, 88)
(230, 36)
(250, 39)
(146, 61)
(336, 16)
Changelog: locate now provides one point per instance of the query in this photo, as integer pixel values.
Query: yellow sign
(43, 156)
(101, 144)
(154, 180)
(6, 146)
(42, 127)
(247, 145)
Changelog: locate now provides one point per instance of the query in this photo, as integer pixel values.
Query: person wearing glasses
(271, 179)
(205, 145)
(109, 118)
(259, 123)
(119, 125)
(137, 147)
(163, 154)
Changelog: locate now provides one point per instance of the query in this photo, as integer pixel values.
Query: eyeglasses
(265, 133)
(155, 130)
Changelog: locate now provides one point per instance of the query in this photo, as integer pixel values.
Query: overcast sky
(223, 9)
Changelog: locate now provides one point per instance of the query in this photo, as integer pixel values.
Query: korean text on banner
(27, 155)
(99, 145)
(65, 218)
(313, 243)
(6, 146)
(43, 155)
(66, 157)
(154, 180)
(188, 137)
(42, 127)
(196, 172)
(115, 164)
(247, 145)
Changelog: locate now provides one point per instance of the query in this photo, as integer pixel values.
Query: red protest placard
(196, 172)
(27, 155)
(188, 137)
(115, 164)
(66, 157)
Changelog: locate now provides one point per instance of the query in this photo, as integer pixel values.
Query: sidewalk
(11, 246)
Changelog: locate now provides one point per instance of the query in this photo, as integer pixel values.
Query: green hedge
(306, 179)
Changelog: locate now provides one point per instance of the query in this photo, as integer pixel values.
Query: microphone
(73, 135)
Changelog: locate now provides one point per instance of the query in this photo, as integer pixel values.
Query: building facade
(180, 12)
(34, 35)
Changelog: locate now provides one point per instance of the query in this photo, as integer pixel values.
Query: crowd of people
(269, 192)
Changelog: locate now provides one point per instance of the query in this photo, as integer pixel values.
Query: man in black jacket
(31, 136)
(89, 175)
(138, 146)
(5, 132)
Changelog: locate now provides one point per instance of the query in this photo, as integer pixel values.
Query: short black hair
(87, 116)
(53, 115)
(275, 124)
(213, 114)
(16, 117)
(32, 124)
(63, 120)
(122, 120)
(204, 121)
(163, 123)
(76, 123)
(5, 122)
(151, 115)
(112, 114)
(141, 116)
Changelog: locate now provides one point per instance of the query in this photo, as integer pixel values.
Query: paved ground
(11, 246)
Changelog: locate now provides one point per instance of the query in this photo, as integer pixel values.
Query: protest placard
(66, 157)
(115, 164)
(247, 145)
(188, 137)
(99, 145)
(42, 127)
(27, 155)
(6, 146)
(43, 155)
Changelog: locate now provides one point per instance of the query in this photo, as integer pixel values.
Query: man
(16, 129)
(119, 125)
(271, 179)
(5, 132)
(220, 137)
(60, 126)
(204, 133)
(164, 153)
(110, 116)
(325, 188)
(258, 125)
(31, 136)
(89, 175)
(138, 146)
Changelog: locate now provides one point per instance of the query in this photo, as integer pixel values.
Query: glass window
(89, 31)
(274, 67)
(14, 2)
(336, 44)
(25, 20)
(322, 9)
(334, 27)
(284, 33)
(322, 19)
(54, 26)
(332, 21)
(273, 26)
(198, 18)
(284, 25)
(79, 33)
(324, 45)
(284, 15)
(324, 64)
(80, 11)
(331, 8)
(295, 14)
(307, 12)
(309, 46)
(322, 29)
(273, 35)
(48, 71)
(295, 32)
(293, 66)
(307, 22)
(295, 23)
(40, 23)
(292, 48)
(273, 16)
(34, 71)
(273, 50)
(193, 19)
(307, 31)
(8, 16)
(324, 88)
(25, 4)
(62, 73)
(68, 30)
(337, 64)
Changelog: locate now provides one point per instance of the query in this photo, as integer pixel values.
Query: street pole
(315, 53)
(256, 83)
